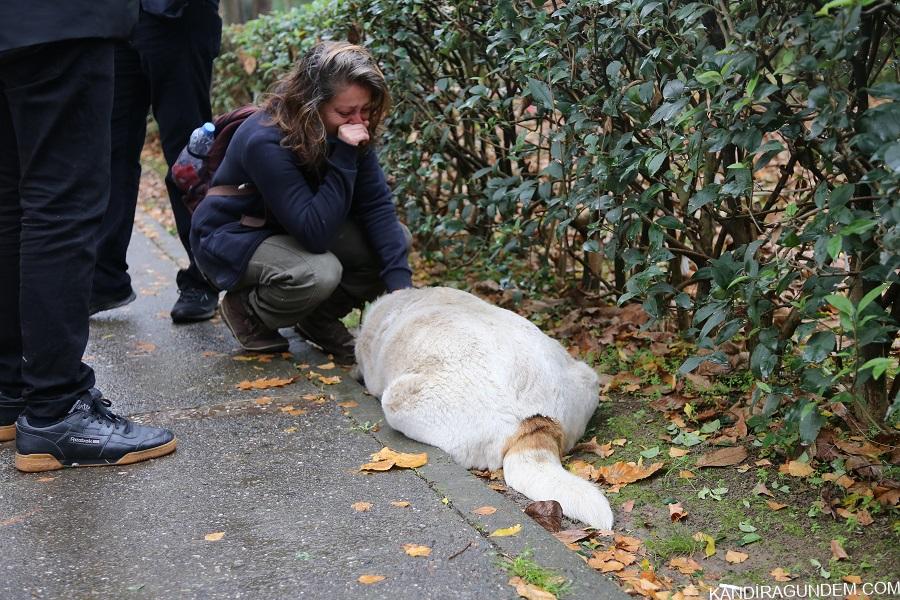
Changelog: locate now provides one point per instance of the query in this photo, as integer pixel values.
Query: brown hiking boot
(330, 335)
(251, 333)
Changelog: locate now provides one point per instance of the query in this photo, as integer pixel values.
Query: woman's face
(350, 106)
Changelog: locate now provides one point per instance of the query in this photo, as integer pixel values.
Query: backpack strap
(245, 189)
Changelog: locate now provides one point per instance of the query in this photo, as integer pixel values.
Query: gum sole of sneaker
(35, 463)
(8, 433)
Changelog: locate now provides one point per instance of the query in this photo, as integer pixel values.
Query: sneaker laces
(192, 294)
(98, 406)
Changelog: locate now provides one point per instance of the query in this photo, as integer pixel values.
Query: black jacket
(311, 209)
(29, 22)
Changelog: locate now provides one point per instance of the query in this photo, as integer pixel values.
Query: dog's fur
(487, 387)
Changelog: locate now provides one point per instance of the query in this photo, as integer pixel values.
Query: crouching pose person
(312, 232)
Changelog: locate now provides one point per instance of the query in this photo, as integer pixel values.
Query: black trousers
(55, 106)
(166, 66)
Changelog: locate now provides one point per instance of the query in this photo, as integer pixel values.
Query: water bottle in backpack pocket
(189, 169)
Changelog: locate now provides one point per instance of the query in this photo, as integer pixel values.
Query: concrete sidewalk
(278, 484)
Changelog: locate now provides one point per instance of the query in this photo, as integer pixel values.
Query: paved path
(279, 486)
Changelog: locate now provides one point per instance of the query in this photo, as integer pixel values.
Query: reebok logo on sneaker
(82, 440)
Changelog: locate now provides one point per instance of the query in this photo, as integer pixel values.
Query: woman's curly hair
(326, 70)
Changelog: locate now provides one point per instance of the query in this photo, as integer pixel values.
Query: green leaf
(650, 452)
(842, 303)
(695, 361)
(878, 365)
(819, 346)
(749, 539)
(541, 93)
(707, 77)
(859, 226)
(655, 163)
(811, 422)
(871, 296)
(711, 426)
(746, 527)
(834, 246)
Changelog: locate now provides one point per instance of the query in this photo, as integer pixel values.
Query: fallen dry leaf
(147, 347)
(361, 506)
(780, 574)
(583, 469)
(603, 451)
(416, 550)
(547, 513)
(348, 404)
(628, 506)
(214, 537)
(605, 565)
(570, 536)
(762, 489)
(677, 452)
(726, 457)
(796, 468)
(864, 449)
(735, 557)
(530, 591)
(326, 367)
(764, 462)
(399, 503)
(676, 512)
(507, 531)
(619, 442)
(775, 505)
(263, 401)
(837, 551)
(629, 544)
(685, 565)
(852, 579)
(335, 379)
(864, 518)
(370, 579)
(386, 458)
(264, 384)
(686, 474)
(485, 510)
(622, 472)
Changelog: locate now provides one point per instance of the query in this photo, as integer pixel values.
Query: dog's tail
(531, 465)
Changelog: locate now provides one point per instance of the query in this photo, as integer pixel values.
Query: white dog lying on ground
(487, 387)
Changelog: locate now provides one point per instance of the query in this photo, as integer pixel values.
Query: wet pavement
(273, 474)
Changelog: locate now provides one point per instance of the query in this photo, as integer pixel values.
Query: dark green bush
(733, 165)
(255, 54)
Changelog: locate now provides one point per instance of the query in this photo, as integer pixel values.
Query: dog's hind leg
(412, 406)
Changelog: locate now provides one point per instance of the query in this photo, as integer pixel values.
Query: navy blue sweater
(310, 208)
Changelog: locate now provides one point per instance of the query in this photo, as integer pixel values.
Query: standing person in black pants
(165, 66)
(56, 92)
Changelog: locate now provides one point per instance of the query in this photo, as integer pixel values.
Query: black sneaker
(330, 335)
(89, 435)
(194, 304)
(101, 303)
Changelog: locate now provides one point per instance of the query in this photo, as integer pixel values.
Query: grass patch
(523, 566)
(679, 542)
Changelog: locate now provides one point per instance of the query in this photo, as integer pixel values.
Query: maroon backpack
(226, 125)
